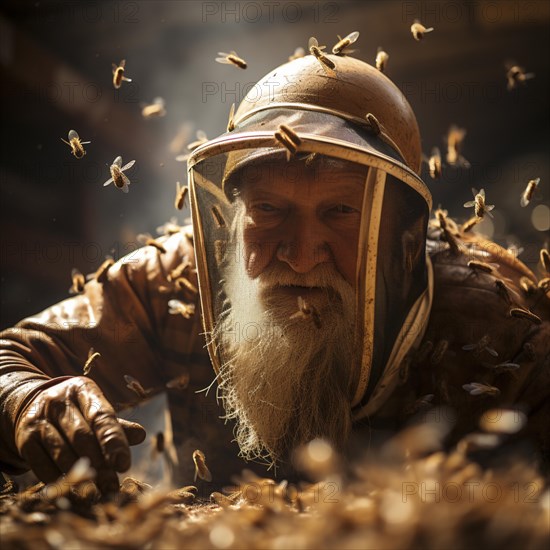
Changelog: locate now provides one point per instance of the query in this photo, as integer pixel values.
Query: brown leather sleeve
(125, 319)
(469, 305)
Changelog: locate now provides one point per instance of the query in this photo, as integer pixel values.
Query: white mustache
(322, 275)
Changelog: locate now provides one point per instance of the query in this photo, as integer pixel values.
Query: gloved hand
(69, 420)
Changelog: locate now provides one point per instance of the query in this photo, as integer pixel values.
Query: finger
(83, 441)
(38, 459)
(57, 447)
(135, 433)
(99, 414)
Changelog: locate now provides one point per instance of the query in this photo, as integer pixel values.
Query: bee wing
(127, 79)
(126, 166)
(469, 347)
(115, 67)
(491, 351)
(201, 135)
(223, 60)
(482, 192)
(110, 180)
(118, 161)
(158, 101)
(75, 272)
(66, 142)
(469, 204)
(352, 36)
(436, 152)
(122, 63)
(73, 134)
(125, 187)
(312, 42)
(182, 158)
(174, 307)
(85, 142)
(524, 200)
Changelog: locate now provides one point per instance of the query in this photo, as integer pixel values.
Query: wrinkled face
(303, 218)
(287, 378)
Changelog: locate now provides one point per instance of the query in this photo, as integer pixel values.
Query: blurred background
(55, 65)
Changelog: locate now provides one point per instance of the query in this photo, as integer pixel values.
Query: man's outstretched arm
(50, 413)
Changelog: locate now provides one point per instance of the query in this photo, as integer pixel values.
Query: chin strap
(409, 337)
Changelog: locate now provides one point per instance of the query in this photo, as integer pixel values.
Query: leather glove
(69, 420)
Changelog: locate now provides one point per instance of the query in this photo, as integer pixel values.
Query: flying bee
(155, 109)
(289, 139)
(529, 191)
(120, 179)
(179, 271)
(434, 163)
(521, 313)
(179, 383)
(341, 47)
(503, 291)
(182, 283)
(418, 30)
(201, 469)
(505, 366)
(231, 121)
(171, 227)
(181, 138)
(455, 137)
(480, 346)
(217, 215)
(75, 144)
(469, 224)
(177, 307)
(317, 52)
(306, 311)
(118, 74)
(482, 266)
(147, 240)
(514, 250)
(382, 59)
(421, 404)
(181, 195)
(78, 282)
(231, 59)
(158, 443)
(516, 75)
(101, 274)
(476, 388)
(480, 207)
(527, 285)
(439, 352)
(545, 259)
(133, 384)
(298, 53)
(92, 356)
(201, 138)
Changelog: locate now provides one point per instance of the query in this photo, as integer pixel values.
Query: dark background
(55, 66)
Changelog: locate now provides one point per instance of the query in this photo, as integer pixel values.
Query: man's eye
(265, 207)
(344, 209)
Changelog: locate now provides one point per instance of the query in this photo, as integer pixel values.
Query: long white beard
(285, 381)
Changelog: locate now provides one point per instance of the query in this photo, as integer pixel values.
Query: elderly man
(325, 313)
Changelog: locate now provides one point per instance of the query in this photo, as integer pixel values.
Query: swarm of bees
(118, 177)
(118, 74)
(231, 59)
(479, 205)
(418, 30)
(75, 144)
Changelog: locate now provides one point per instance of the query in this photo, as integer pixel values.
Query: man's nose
(304, 245)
